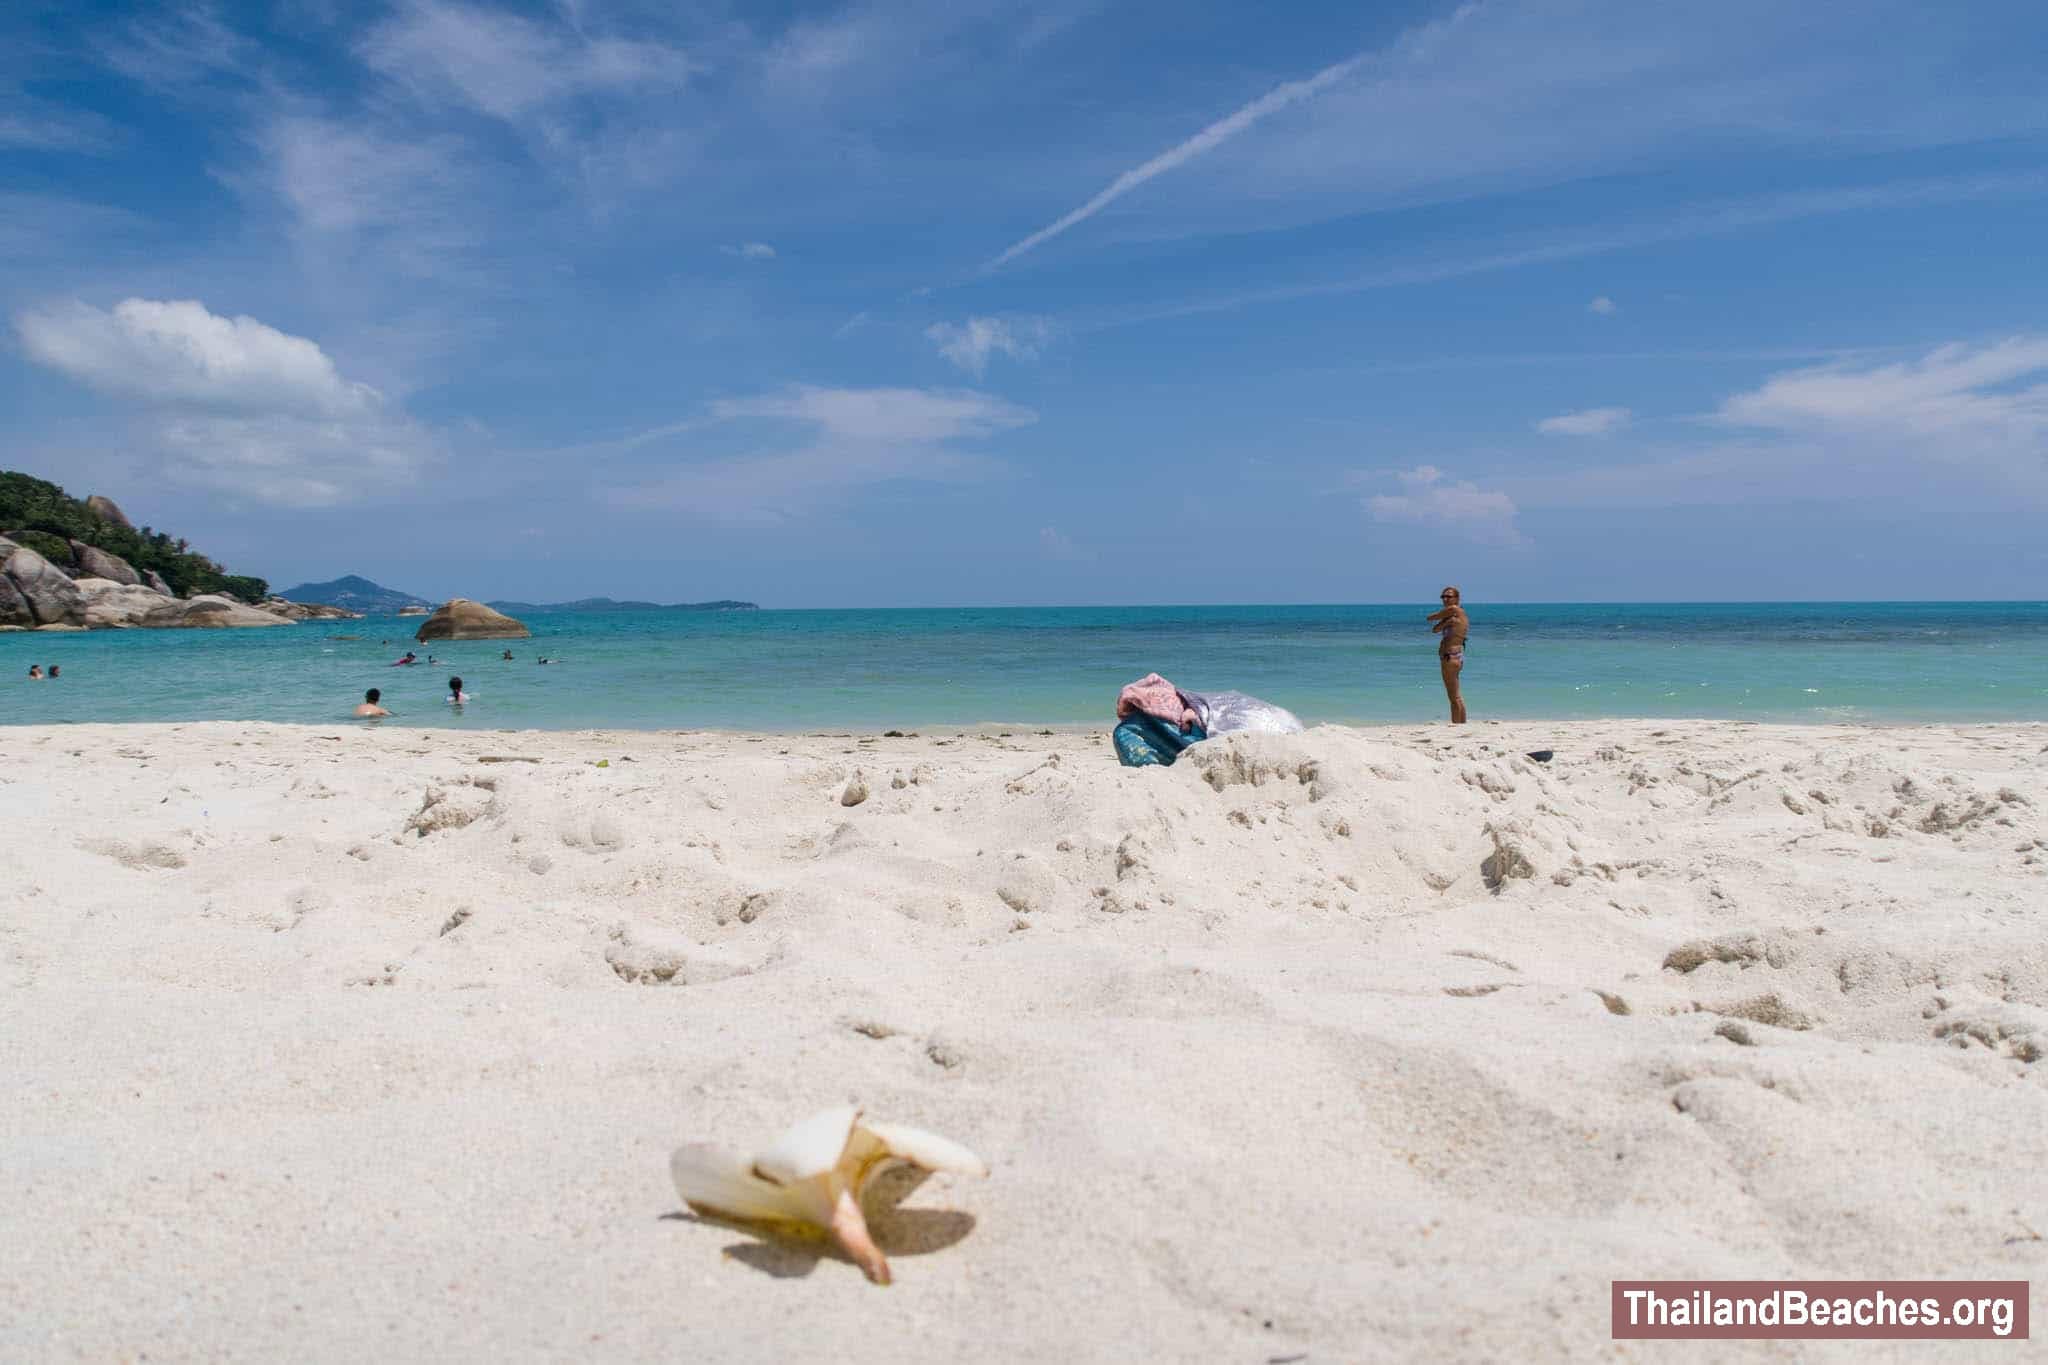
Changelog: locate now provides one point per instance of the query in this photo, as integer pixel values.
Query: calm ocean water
(785, 670)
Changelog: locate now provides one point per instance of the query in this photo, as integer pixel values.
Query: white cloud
(1619, 87)
(750, 251)
(1613, 87)
(1956, 391)
(970, 344)
(177, 351)
(1057, 544)
(1590, 422)
(340, 178)
(177, 49)
(812, 51)
(860, 49)
(1960, 417)
(43, 125)
(1705, 219)
(1601, 305)
(845, 439)
(917, 416)
(295, 461)
(233, 403)
(508, 66)
(1431, 499)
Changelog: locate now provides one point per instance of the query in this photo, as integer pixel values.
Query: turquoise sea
(791, 670)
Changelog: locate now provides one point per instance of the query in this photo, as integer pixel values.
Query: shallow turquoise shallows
(788, 670)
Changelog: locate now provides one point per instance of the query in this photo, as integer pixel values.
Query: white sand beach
(343, 1043)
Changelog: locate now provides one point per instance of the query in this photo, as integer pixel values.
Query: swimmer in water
(508, 655)
(370, 708)
(1454, 626)
(35, 672)
(456, 696)
(53, 670)
(410, 658)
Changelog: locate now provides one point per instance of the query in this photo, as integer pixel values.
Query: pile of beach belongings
(1156, 720)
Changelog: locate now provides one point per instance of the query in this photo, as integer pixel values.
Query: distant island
(373, 599)
(608, 604)
(357, 594)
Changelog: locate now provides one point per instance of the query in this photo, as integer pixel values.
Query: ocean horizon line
(1399, 602)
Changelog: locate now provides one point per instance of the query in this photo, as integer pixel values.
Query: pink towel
(1155, 696)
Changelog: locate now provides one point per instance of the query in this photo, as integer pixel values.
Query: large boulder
(307, 611)
(116, 606)
(14, 612)
(53, 599)
(154, 581)
(206, 610)
(94, 562)
(461, 619)
(106, 511)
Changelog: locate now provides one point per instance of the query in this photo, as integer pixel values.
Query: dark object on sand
(1541, 755)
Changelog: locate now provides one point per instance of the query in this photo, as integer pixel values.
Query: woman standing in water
(1453, 625)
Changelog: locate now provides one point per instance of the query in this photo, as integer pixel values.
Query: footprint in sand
(2005, 1031)
(1741, 950)
(139, 856)
(648, 958)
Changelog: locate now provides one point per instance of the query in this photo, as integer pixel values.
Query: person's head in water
(53, 670)
(35, 670)
(373, 696)
(508, 653)
(455, 689)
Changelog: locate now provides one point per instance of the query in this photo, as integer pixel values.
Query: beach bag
(1145, 740)
(1240, 713)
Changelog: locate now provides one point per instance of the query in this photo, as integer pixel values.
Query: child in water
(456, 696)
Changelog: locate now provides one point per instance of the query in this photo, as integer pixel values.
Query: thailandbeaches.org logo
(1817, 1309)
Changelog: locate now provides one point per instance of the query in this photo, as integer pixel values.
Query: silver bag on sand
(1229, 713)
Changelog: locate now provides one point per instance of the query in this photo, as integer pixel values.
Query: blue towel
(1144, 740)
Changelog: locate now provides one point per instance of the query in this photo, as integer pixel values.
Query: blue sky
(973, 302)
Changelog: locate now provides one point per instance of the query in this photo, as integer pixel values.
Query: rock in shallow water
(461, 619)
(209, 609)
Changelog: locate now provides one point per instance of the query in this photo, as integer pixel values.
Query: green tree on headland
(37, 513)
